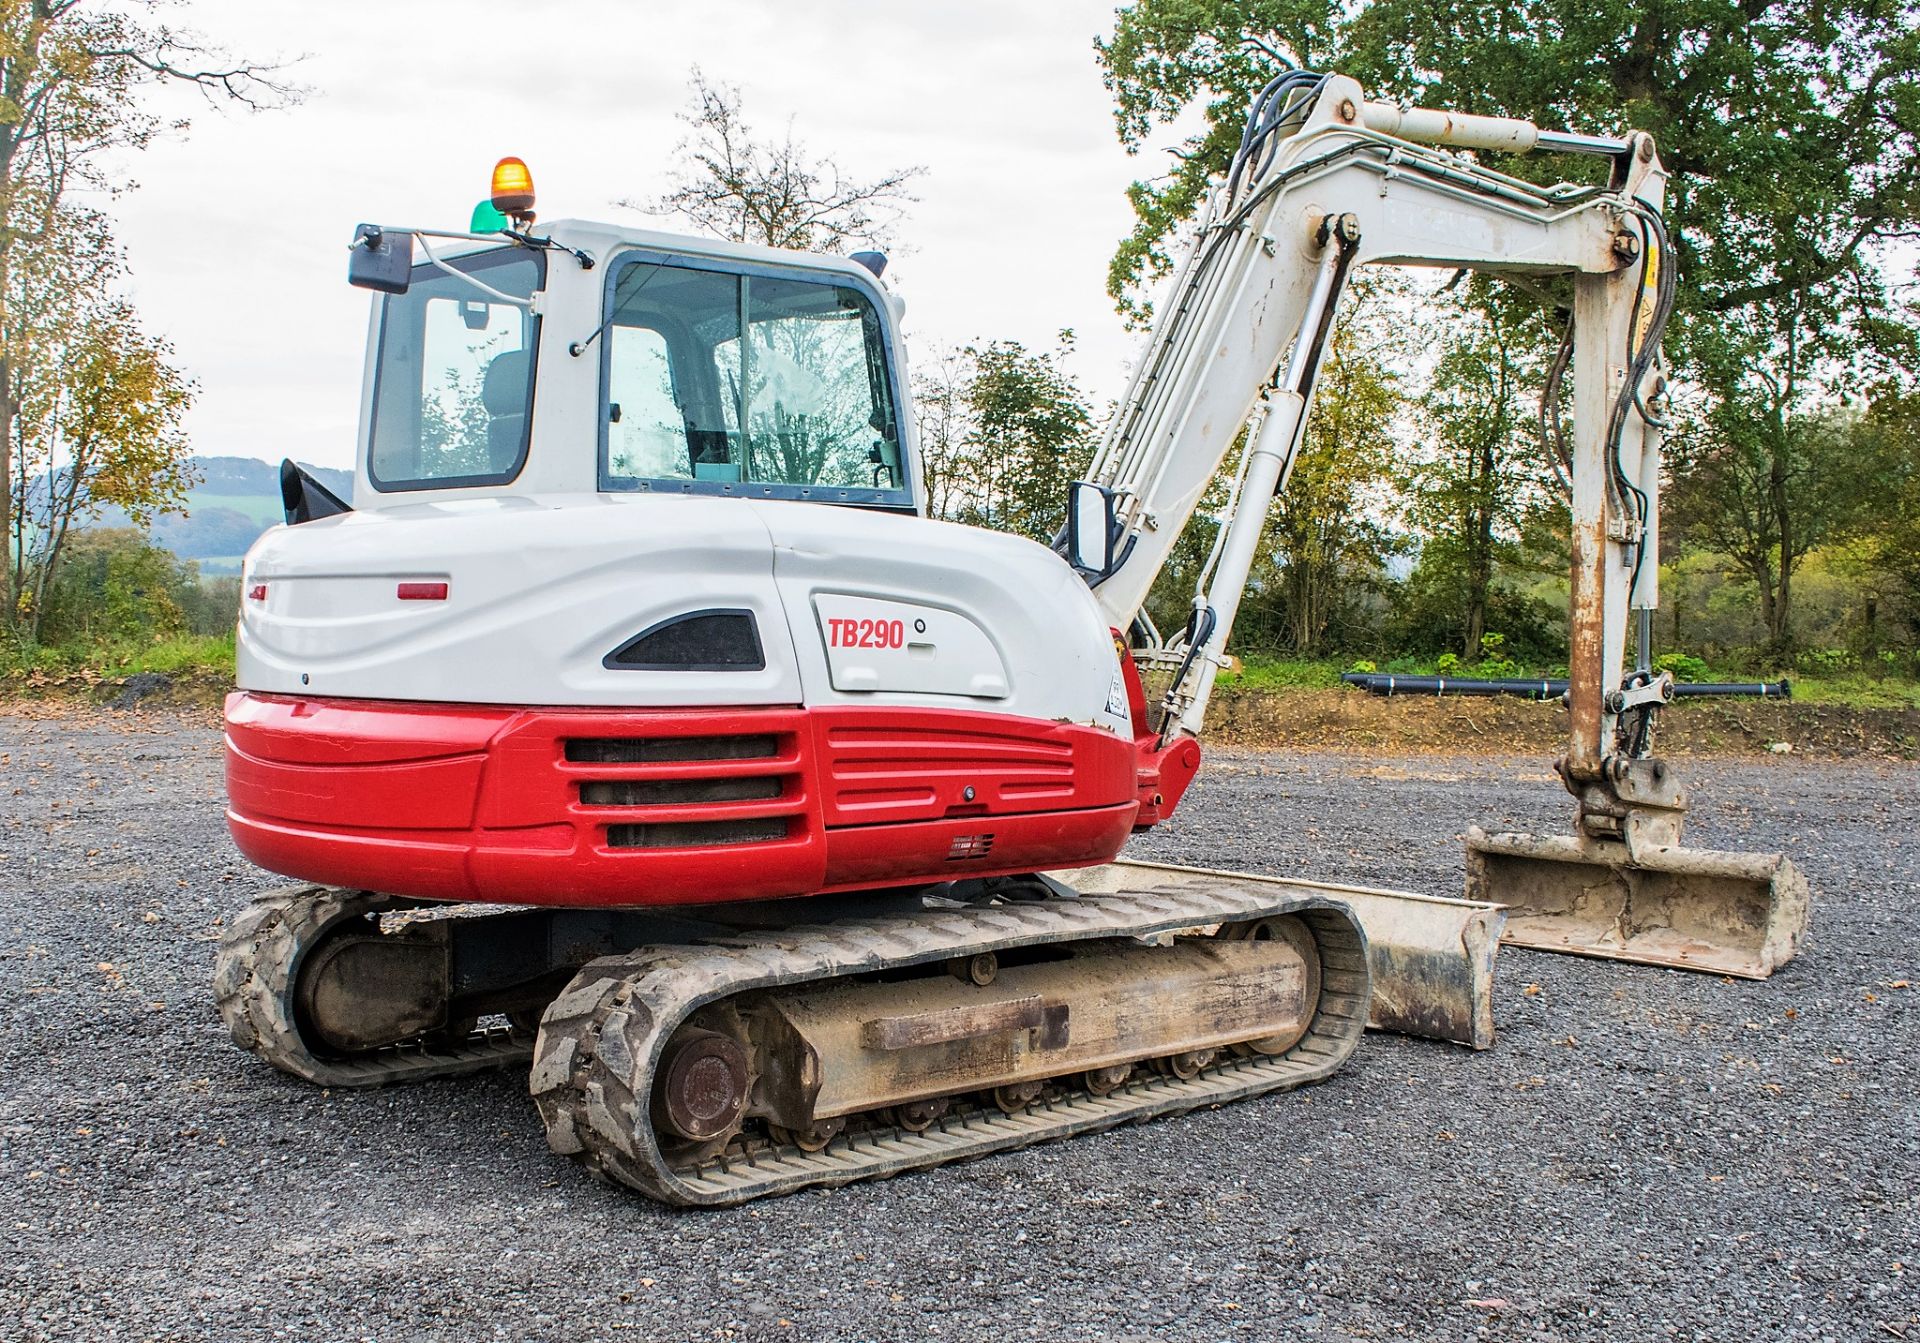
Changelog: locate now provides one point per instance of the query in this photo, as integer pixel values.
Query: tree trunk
(1480, 554)
(1763, 584)
(1780, 619)
(10, 590)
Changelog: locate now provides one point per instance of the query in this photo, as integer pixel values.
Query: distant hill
(236, 500)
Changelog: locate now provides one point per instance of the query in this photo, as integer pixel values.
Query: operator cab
(622, 362)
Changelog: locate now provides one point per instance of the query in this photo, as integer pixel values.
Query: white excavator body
(635, 622)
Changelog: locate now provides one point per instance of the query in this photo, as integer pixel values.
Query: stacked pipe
(1390, 683)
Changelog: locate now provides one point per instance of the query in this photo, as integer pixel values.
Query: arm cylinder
(1461, 130)
(1465, 130)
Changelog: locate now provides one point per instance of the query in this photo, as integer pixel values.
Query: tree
(1483, 474)
(940, 416)
(98, 409)
(1767, 474)
(1327, 533)
(1030, 436)
(1003, 431)
(1789, 129)
(115, 585)
(772, 192)
(1163, 57)
(1893, 531)
(71, 75)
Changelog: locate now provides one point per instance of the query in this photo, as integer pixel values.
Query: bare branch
(770, 191)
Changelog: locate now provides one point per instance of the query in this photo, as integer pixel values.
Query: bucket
(1740, 914)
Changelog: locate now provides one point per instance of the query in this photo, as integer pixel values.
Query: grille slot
(697, 834)
(969, 846)
(673, 792)
(649, 750)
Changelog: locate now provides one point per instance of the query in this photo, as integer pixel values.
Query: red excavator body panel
(649, 807)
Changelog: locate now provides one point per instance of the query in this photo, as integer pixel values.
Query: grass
(1269, 673)
(1858, 692)
(1258, 671)
(174, 655)
(211, 656)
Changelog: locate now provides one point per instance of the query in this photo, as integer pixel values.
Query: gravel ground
(1645, 1154)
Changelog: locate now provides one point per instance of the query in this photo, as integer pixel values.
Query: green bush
(1495, 665)
(114, 586)
(1684, 666)
(1826, 662)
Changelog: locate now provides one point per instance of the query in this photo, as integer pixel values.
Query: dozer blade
(1724, 913)
(1431, 959)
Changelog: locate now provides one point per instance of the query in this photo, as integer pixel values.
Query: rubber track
(259, 960)
(601, 1039)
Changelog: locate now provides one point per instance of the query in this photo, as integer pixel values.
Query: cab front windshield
(760, 383)
(453, 384)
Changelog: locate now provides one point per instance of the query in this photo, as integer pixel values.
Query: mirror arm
(487, 289)
(549, 245)
(1116, 564)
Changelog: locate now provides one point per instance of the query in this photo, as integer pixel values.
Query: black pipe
(1543, 688)
(1781, 689)
(1387, 683)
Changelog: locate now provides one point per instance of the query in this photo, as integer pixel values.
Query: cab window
(453, 381)
(724, 382)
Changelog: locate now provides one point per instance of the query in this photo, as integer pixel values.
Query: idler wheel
(703, 1085)
(1289, 929)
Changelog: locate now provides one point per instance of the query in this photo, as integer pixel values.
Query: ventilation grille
(697, 834)
(665, 750)
(969, 846)
(676, 792)
(689, 790)
(697, 641)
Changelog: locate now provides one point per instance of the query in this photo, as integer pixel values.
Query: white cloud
(238, 231)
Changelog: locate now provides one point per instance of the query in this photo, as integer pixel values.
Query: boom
(1326, 181)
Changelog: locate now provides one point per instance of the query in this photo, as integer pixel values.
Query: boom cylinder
(1270, 457)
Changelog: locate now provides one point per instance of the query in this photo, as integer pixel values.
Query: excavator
(634, 723)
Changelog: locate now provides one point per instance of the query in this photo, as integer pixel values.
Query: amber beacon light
(513, 189)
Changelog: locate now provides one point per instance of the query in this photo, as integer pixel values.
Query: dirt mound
(1352, 720)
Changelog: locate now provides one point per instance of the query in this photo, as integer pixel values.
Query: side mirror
(304, 499)
(380, 260)
(1091, 529)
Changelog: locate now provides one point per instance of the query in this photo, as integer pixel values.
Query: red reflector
(423, 592)
(257, 593)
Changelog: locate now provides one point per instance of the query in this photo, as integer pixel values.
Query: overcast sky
(237, 232)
